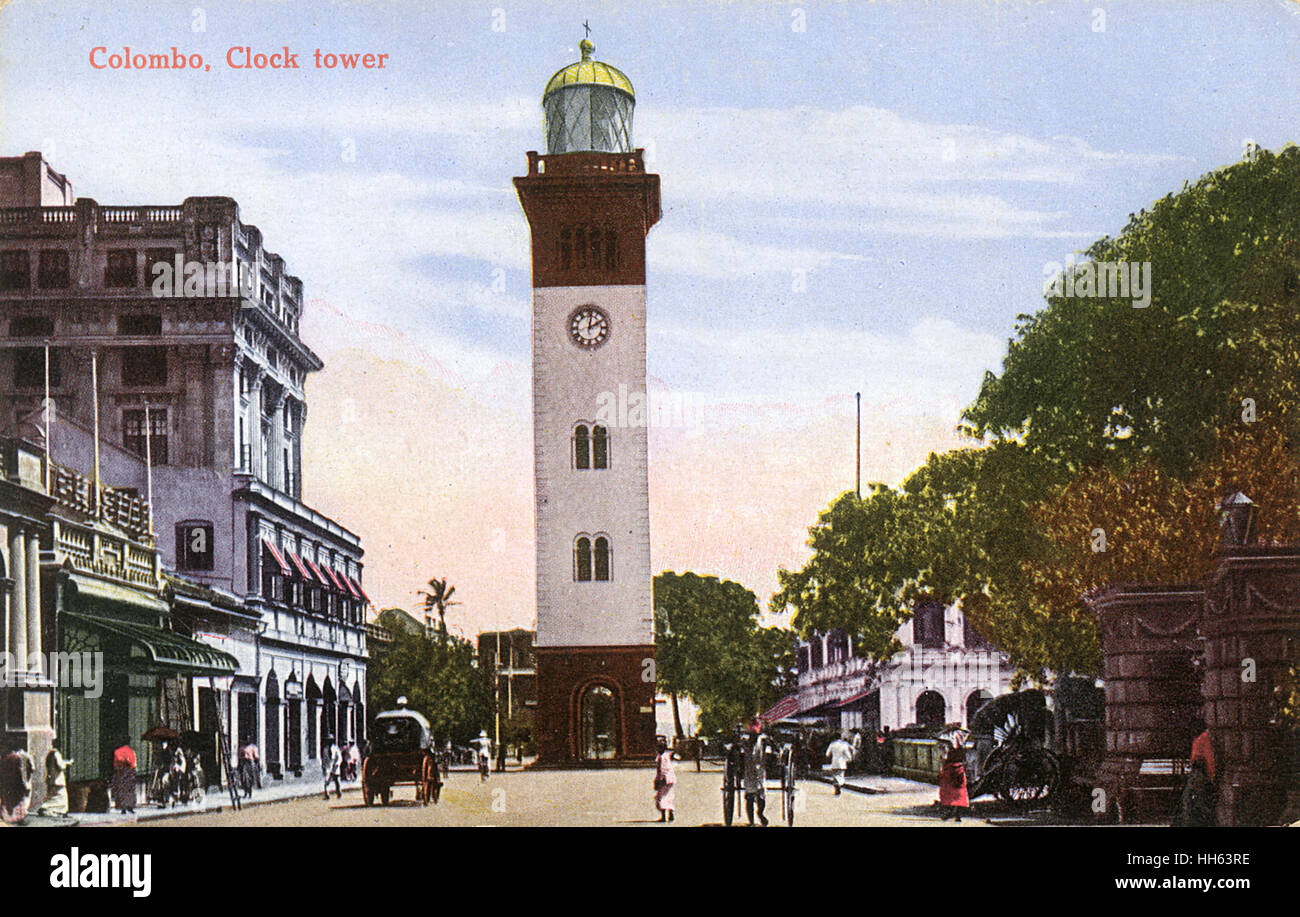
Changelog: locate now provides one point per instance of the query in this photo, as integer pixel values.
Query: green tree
(710, 647)
(1105, 416)
(439, 678)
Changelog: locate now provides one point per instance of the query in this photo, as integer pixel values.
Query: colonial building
(173, 331)
(589, 203)
(92, 614)
(945, 672)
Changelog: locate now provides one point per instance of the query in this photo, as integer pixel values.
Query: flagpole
(857, 474)
(49, 477)
(94, 384)
(148, 463)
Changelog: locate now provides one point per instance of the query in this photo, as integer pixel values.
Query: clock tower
(589, 203)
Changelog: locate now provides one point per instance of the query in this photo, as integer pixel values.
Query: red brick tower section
(589, 214)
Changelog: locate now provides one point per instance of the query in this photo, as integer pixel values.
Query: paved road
(599, 798)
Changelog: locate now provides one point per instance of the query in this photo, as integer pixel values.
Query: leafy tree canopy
(710, 646)
(439, 678)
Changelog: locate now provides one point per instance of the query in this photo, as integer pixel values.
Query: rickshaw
(401, 751)
(780, 772)
(176, 778)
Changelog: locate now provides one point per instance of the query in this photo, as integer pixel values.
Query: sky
(857, 197)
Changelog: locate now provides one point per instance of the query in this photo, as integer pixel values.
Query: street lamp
(1237, 519)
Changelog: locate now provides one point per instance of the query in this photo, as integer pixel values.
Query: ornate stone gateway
(1174, 655)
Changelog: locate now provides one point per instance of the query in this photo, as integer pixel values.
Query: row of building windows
(54, 268)
(142, 367)
(304, 594)
(588, 247)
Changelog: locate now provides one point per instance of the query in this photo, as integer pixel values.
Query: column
(34, 599)
(18, 603)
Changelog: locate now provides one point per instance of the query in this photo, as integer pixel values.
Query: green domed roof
(588, 72)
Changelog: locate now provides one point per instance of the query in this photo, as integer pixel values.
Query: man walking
(755, 771)
(839, 753)
(249, 768)
(331, 760)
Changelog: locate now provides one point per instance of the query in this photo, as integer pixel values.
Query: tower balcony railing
(585, 163)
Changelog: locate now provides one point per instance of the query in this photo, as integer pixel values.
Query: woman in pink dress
(953, 797)
(665, 779)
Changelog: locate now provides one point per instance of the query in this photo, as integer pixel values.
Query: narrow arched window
(580, 247)
(599, 447)
(581, 448)
(611, 250)
(566, 249)
(602, 559)
(596, 240)
(582, 559)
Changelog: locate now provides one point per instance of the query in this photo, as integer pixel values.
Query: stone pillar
(1148, 644)
(18, 601)
(34, 600)
(1252, 632)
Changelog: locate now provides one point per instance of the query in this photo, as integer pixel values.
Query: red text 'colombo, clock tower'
(590, 203)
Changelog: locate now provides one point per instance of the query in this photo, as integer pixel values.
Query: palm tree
(438, 598)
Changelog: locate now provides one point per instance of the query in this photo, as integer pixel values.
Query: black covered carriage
(401, 751)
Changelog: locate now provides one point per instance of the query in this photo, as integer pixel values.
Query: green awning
(153, 649)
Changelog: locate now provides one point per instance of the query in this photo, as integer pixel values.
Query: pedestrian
(483, 755)
(754, 756)
(952, 782)
(501, 757)
(56, 784)
(1196, 807)
(124, 778)
(249, 768)
(665, 779)
(16, 769)
(839, 753)
(354, 760)
(331, 762)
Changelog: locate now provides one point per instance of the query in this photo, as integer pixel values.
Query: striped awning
(153, 649)
(335, 580)
(853, 699)
(302, 568)
(279, 558)
(785, 707)
(361, 593)
(320, 577)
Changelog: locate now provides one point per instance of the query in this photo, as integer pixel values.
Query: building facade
(94, 616)
(589, 204)
(173, 331)
(945, 672)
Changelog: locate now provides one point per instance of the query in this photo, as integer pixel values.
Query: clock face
(589, 327)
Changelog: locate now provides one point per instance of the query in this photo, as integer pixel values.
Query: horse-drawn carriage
(1014, 762)
(779, 773)
(401, 751)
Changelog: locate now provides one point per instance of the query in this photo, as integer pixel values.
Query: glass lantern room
(588, 107)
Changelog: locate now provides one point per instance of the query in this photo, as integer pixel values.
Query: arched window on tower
(582, 559)
(611, 250)
(602, 559)
(566, 249)
(581, 447)
(599, 447)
